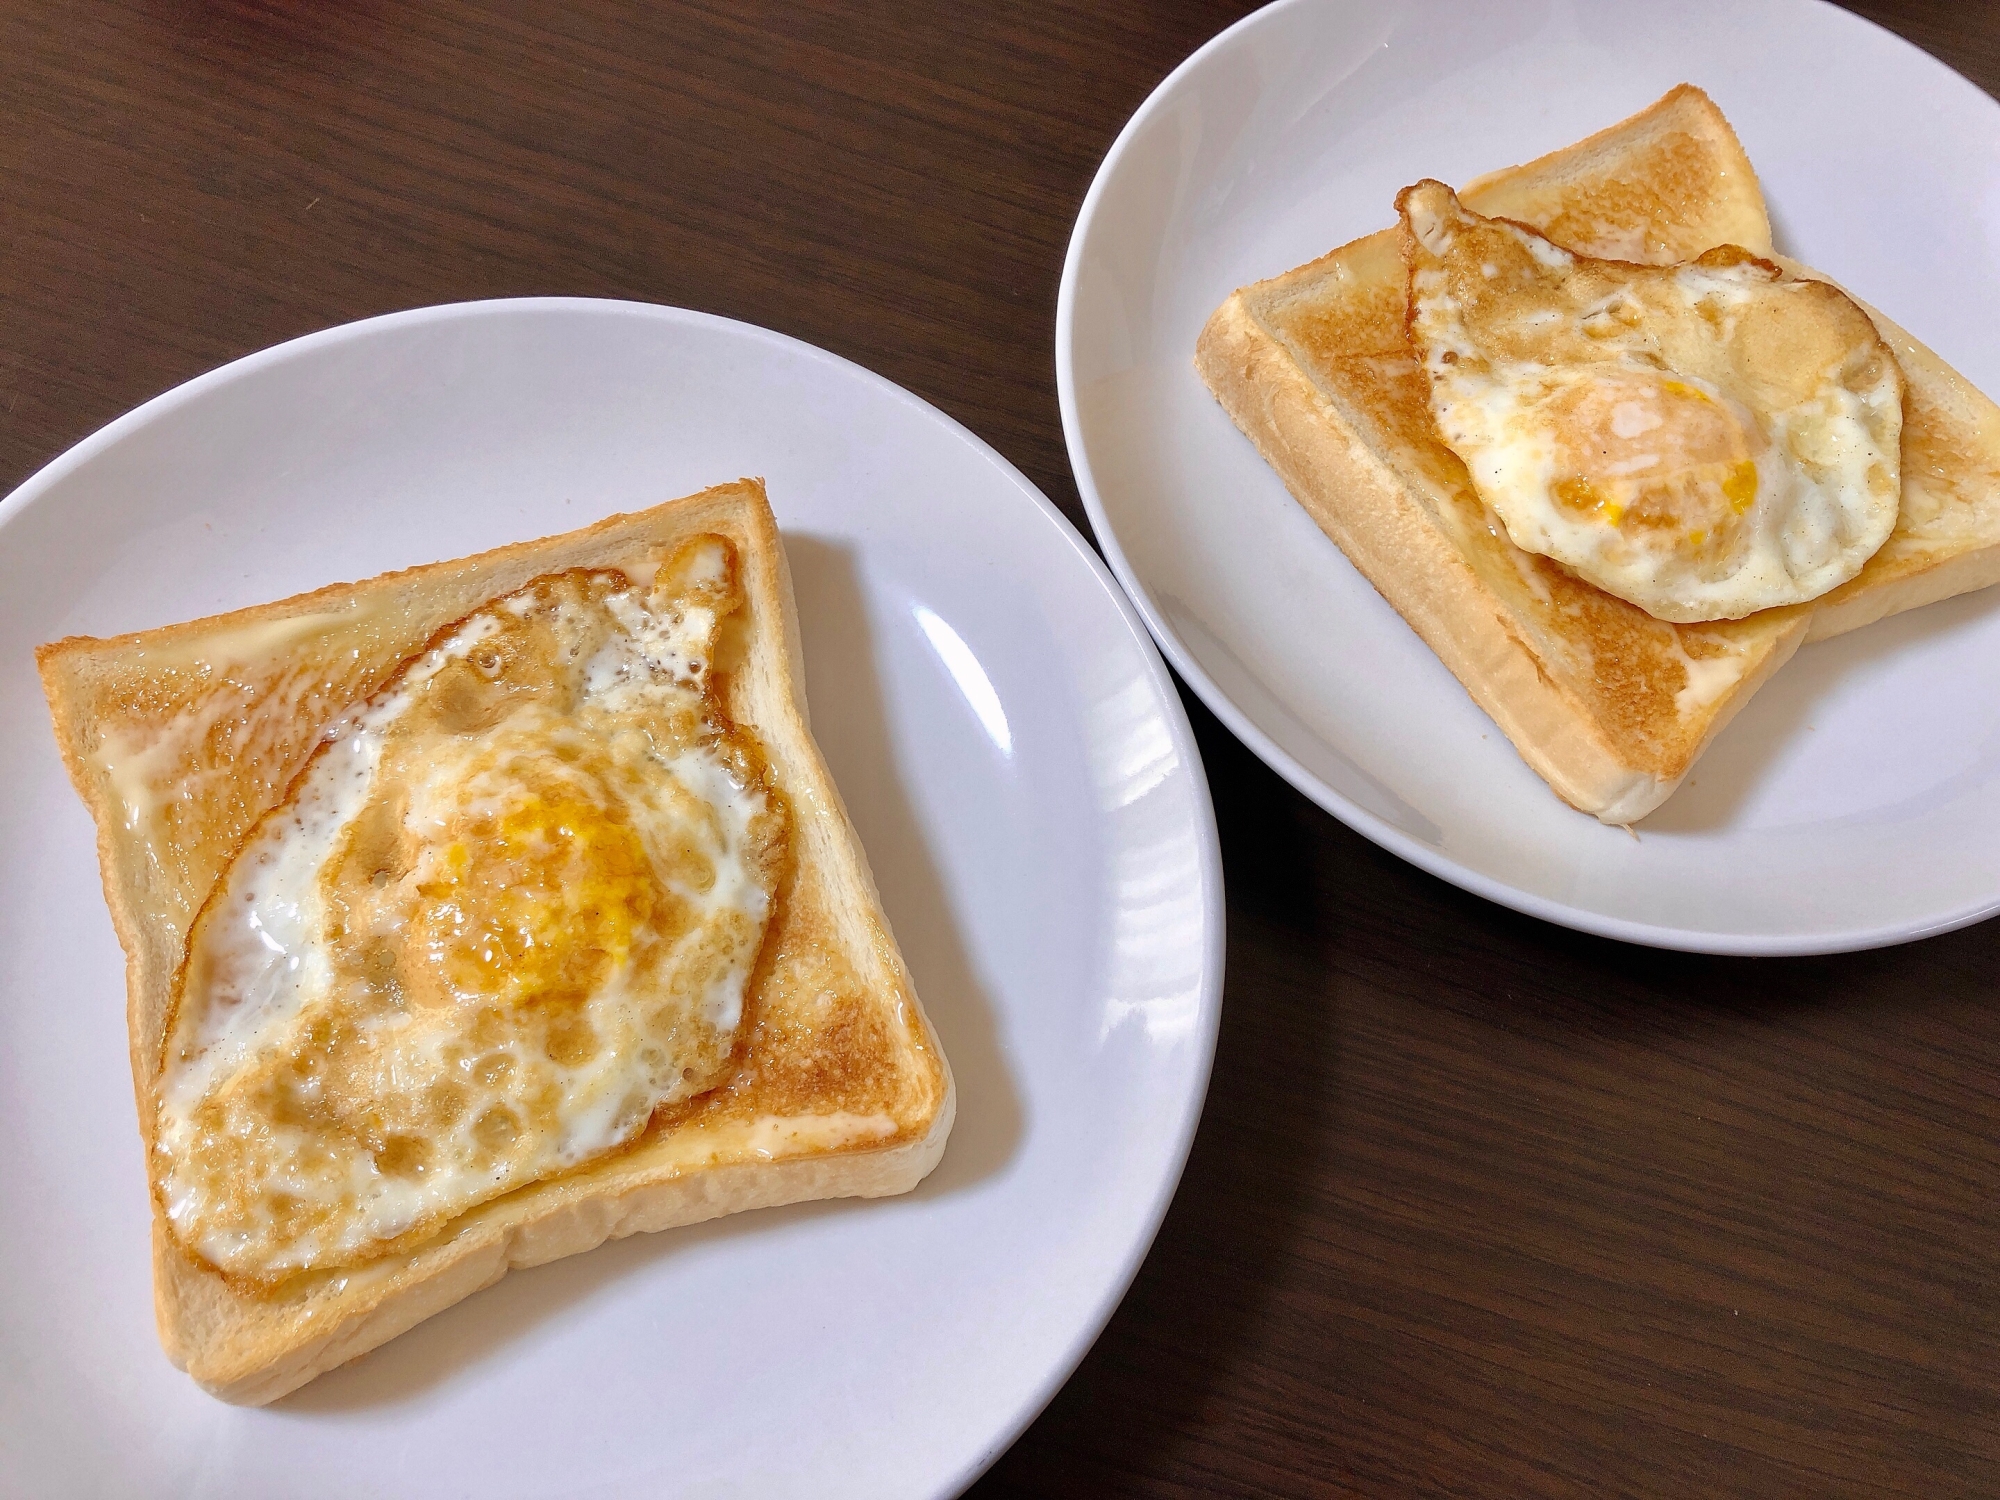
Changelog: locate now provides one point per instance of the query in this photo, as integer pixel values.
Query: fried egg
(507, 912)
(1703, 440)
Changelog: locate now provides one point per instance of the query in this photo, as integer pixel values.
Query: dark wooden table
(1479, 1206)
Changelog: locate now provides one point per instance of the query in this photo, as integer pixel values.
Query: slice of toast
(179, 739)
(1608, 704)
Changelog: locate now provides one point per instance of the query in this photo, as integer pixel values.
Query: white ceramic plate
(1854, 801)
(1022, 776)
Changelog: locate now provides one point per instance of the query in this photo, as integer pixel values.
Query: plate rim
(1006, 1427)
(1372, 827)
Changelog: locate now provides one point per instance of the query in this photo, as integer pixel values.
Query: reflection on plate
(1854, 802)
(1021, 773)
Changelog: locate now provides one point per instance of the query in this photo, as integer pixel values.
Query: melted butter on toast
(200, 744)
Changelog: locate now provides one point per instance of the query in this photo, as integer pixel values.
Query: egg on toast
(479, 913)
(1703, 440)
(1609, 703)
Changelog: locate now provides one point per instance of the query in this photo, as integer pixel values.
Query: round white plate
(1854, 801)
(1023, 779)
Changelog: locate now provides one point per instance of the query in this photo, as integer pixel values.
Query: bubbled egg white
(509, 912)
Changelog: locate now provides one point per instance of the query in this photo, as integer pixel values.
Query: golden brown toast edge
(1610, 706)
(778, 1133)
(1692, 182)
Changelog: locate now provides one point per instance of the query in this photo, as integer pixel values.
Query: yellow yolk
(1639, 453)
(541, 903)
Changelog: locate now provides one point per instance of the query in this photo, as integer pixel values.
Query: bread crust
(841, 1090)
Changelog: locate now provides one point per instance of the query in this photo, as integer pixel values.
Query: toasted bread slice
(1608, 704)
(179, 739)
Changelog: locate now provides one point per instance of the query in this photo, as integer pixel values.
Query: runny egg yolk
(538, 904)
(1638, 452)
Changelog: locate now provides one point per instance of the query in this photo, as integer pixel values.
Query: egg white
(300, 1193)
(1698, 483)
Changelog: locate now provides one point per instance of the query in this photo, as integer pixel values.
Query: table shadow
(851, 725)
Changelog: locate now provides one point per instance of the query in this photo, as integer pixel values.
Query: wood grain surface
(1478, 1206)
